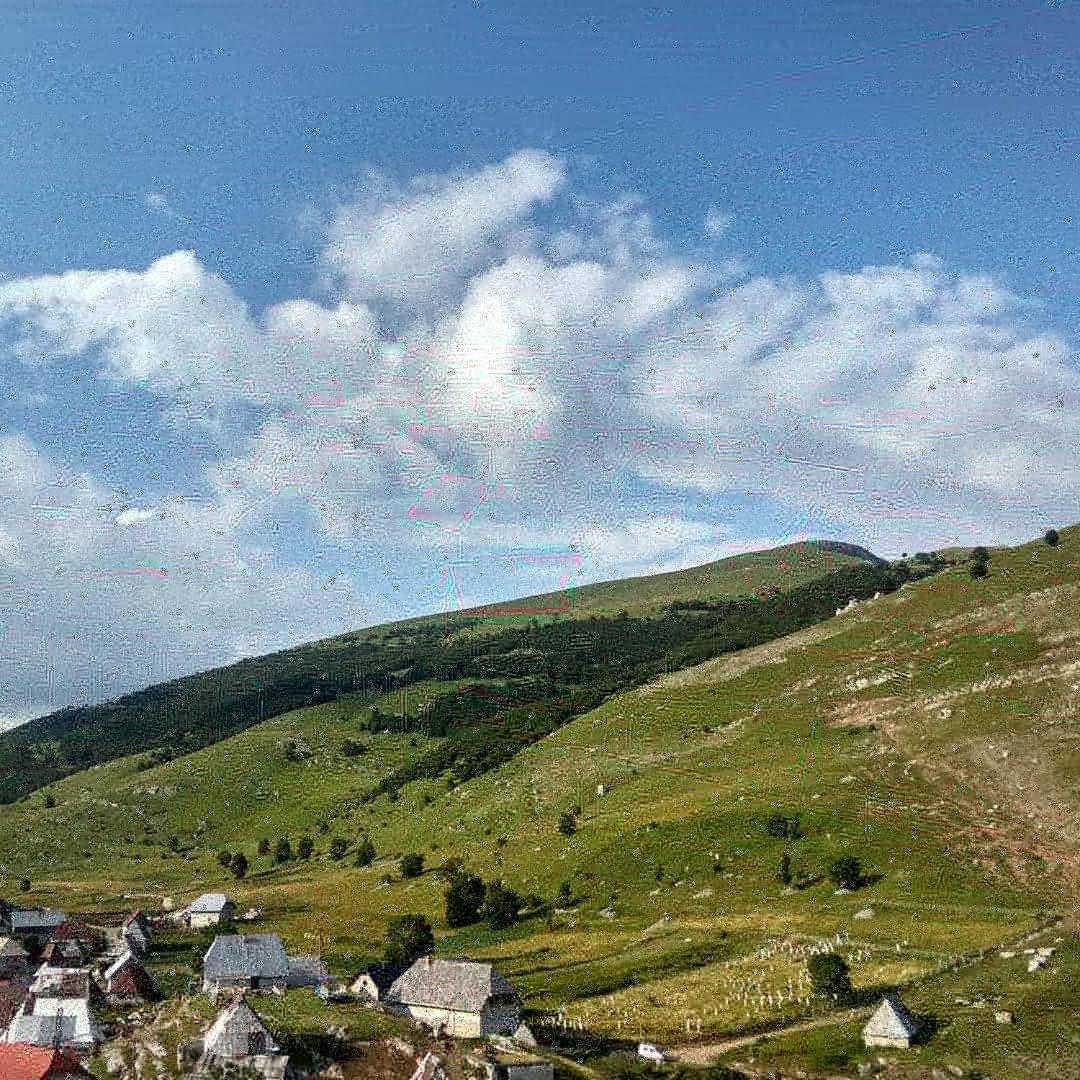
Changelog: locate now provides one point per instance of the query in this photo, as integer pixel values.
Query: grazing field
(931, 734)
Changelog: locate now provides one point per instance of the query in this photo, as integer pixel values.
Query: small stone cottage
(373, 982)
(238, 1037)
(245, 962)
(127, 982)
(891, 1025)
(210, 909)
(14, 959)
(456, 997)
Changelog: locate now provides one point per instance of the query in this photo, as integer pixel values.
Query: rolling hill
(930, 732)
(185, 714)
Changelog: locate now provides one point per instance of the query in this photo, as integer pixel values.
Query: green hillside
(931, 733)
(181, 716)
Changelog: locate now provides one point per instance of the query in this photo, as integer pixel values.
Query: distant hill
(184, 714)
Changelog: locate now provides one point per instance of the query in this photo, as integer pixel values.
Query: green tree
(306, 847)
(463, 899)
(224, 858)
(1051, 537)
(174, 843)
(338, 846)
(978, 570)
(283, 851)
(365, 853)
(501, 906)
(411, 865)
(239, 865)
(782, 827)
(408, 937)
(566, 894)
(846, 872)
(567, 824)
(50, 801)
(264, 847)
(830, 976)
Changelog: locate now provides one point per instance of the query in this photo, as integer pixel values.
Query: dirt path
(707, 1053)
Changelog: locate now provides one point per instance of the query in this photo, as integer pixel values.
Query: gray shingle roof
(26, 920)
(230, 1035)
(892, 1021)
(460, 985)
(211, 903)
(246, 956)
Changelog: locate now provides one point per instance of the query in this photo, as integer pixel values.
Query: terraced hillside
(931, 733)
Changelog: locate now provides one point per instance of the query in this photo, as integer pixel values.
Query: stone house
(237, 1037)
(65, 983)
(127, 982)
(21, 1062)
(14, 959)
(508, 1065)
(891, 1025)
(373, 982)
(33, 926)
(122, 931)
(210, 909)
(456, 997)
(64, 1023)
(245, 962)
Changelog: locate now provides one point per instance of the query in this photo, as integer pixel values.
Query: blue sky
(302, 305)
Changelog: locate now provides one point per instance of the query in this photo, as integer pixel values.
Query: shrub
(338, 846)
(463, 899)
(782, 827)
(567, 824)
(1051, 537)
(50, 802)
(354, 747)
(239, 865)
(365, 853)
(264, 847)
(224, 858)
(846, 872)
(566, 894)
(297, 750)
(306, 847)
(783, 874)
(978, 570)
(411, 865)
(24, 885)
(174, 843)
(501, 906)
(830, 976)
(283, 851)
(408, 937)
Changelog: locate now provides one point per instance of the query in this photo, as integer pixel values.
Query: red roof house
(20, 1061)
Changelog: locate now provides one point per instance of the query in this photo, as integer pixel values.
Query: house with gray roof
(66, 1023)
(891, 1025)
(456, 997)
(238, 1037)
(35, 925)
(210, 909)
(245, 962)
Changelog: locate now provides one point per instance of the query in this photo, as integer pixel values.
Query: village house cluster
(59, 973)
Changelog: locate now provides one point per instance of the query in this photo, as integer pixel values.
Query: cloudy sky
(315, 316)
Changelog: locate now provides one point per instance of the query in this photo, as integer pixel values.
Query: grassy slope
(932, 732)
(198, 710)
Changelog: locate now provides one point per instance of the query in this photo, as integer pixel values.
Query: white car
(649, 1052)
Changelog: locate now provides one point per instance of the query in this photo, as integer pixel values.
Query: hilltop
(182, 715)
